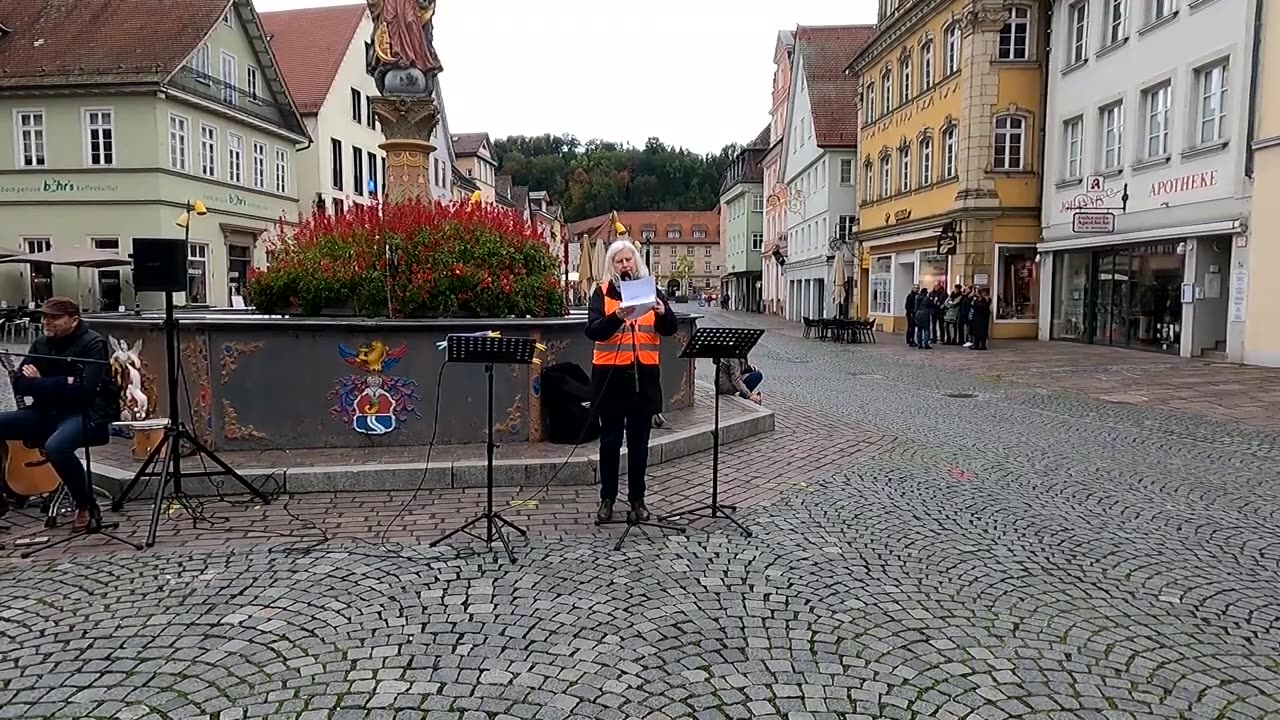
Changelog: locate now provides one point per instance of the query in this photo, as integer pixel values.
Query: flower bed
(458, 259)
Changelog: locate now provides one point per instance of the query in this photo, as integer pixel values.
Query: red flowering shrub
(452, 259)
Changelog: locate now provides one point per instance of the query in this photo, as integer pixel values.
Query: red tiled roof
(100, 41)
(309, 45)
(468, 143)
(834, 96)
(686, 220)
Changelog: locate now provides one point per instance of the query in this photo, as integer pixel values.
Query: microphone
(625, 275)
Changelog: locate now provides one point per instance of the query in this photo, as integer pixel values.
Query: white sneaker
(968, 344)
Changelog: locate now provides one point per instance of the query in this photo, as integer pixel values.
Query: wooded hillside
(595, 177)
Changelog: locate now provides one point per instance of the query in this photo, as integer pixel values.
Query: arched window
(886, 91)
(951, 49)
(868, 181)
(905, 76)
(869, 103)
(950, 150)
(926, 65)
(1015, 36)
(926, 161)
(1009, 152)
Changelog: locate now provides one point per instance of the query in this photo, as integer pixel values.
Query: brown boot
(88, 519)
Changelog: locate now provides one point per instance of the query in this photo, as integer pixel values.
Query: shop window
(239, 260)
(932, 269)
(109, 281)
(41, 274)
(197, 274)
(1070, 293)
(882, 285)
(1018, 282)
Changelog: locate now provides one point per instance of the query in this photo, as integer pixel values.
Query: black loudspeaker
(566, 405)
(159, 265)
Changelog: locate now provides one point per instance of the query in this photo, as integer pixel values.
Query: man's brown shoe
(88, 519)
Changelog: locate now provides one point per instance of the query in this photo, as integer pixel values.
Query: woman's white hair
(618, 246)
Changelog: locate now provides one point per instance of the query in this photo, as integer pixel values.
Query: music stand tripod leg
(456, 531)
(102, 530)
(118, 504)
(512, 525)
(170, 447)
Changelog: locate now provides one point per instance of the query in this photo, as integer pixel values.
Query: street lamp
(184, 222)
(647, 238)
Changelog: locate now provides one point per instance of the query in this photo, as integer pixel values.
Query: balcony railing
(216, 90)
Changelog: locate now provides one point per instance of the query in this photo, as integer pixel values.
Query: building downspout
(1044, 101)
(1255, 70)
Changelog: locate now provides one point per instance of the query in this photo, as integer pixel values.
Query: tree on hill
(595, 177)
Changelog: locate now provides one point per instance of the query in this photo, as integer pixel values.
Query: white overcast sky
(696, 73)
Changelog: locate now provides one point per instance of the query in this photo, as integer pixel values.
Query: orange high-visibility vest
(622, 348)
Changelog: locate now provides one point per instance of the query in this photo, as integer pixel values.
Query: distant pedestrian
(925, 311)
(911, 315)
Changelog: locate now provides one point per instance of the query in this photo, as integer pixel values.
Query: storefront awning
(1087, 241)
(926, 234)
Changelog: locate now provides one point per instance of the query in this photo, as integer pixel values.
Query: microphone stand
(96, 526)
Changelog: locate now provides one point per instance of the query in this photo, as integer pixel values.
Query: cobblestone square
(1027, 550)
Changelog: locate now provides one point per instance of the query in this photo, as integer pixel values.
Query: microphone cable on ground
(391, 549)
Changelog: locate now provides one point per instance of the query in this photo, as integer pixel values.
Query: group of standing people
(961, 317)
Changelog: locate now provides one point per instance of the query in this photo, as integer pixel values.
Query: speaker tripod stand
(169, 450)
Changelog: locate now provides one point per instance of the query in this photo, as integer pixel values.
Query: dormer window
(673, 232)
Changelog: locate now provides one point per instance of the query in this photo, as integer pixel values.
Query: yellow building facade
(950, 147)
(1261, 306)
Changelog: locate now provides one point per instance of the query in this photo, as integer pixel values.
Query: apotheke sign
(57, 186)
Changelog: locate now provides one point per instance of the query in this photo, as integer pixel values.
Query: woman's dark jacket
(614, 387)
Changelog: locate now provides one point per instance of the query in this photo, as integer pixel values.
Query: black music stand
(488, 350)
(718, 344)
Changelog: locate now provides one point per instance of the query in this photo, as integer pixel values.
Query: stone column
(981, 84)
(407, 124)
(975, 254)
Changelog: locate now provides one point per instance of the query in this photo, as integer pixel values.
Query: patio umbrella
(72, 257)
(597, 260)
(586, 274)
(837, 281)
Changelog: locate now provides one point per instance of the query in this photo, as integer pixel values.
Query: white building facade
(820, 153)
(1144, 241)
(345, 165)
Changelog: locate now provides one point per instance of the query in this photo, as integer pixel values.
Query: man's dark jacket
(94, 386)
(613, 387)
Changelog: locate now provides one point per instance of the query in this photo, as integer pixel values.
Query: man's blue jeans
(922, 335)
(60, 437)
(752, 380)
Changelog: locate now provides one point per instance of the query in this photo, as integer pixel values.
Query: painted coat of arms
(374, 403)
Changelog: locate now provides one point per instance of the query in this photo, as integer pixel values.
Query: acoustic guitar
(27, 471)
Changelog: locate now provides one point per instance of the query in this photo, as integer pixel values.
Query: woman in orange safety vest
(625, 379)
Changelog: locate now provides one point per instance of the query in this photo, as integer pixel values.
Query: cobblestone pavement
(1224, 391)
(1014, 554)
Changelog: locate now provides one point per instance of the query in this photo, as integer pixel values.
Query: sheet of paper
(638, 296)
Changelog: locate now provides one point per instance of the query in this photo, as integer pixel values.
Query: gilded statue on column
(401, 58)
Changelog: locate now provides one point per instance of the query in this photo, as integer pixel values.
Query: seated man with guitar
(72, 403)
